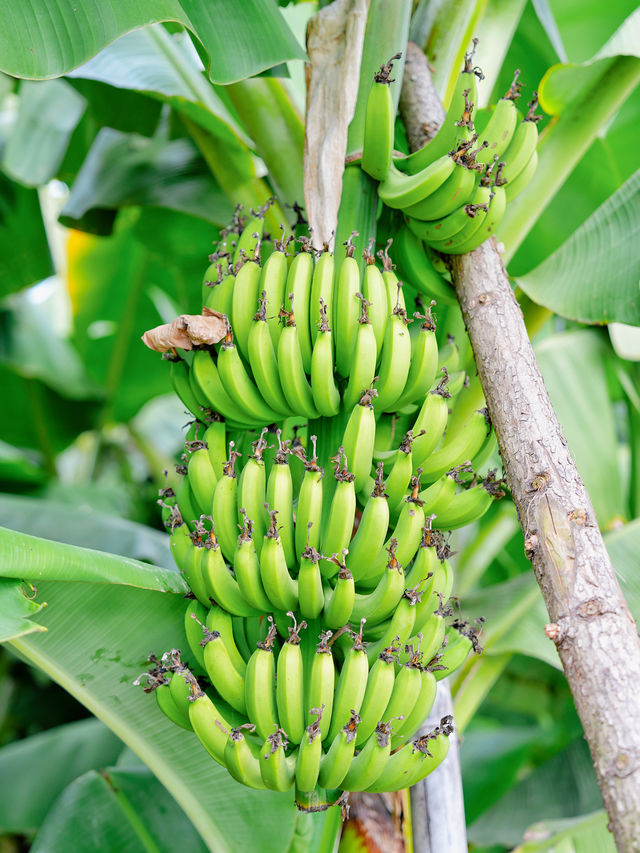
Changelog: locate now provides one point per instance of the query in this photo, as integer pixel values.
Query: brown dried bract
(187, 331)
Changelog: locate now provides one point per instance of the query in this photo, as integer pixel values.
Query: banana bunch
(329, 450)
(453, 192)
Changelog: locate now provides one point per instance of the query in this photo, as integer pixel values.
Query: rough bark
(591, 624)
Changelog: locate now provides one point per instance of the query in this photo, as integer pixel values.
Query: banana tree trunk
(591, 625)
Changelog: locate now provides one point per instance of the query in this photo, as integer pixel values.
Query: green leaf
(165, 67)
(24, 250)
(545, 15)
(15, 608)
(623, 546)
(48, 113)
(37, 768)
(584, 99)
(567, 82)
(97, 642)
(130, 812)
(85, 527)
(40, 40)
(125, 169)
(572, 366)
(23, 556)
(495, 32)
(560, 788)
(584, 834)
(595, 276)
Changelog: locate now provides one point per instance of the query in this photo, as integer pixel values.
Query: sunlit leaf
(85, 527)
(97, 642)
(70, 750)
(24, 556)
(47, 115)
(595, 276)
(545, 15)
(39, 39)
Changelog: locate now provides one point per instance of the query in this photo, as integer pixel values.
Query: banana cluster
(319, 621)
(453, 192)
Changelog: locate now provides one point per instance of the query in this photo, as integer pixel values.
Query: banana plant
(147, 166)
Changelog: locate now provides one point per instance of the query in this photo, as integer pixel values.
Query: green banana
(220, 297)
(326, 395)
(339, 601)
(406, 687)
(203, 716)
(290, 683)
(417, 270)
(321, 289)
(245, 303)
(280, 587)
(280, 498)
(367, 767)
(375, 292)
(226, 679)
(215, 437)
(264, 363)
(309, 506)
(242, 757)
(252, 486)
(338, 530)
(351, 686)
(424, 361)
(202, 478)
(295, 385)
(273, 281)
(221, 585)
(310, 590)
(250, 235)
(299, 283)
(206, 377)
(421, 708)
(225, 505)
(377, 606)
(498, 133)
(321, 684)
(337, 760)
(365, 354)
(397, 482)
(379, 689)
(359, 436)
(372, 530)
(277, 769)
(395, 362)
(310, 753)
(463, 445)
(399, 190)
(523, 143)
(448, 227)
(516, 185)
(379, 124)
(454, 192)
(192, 630)
(346, 309)
(239, 385)
(416, 760)
(400, 626)
(217, 619)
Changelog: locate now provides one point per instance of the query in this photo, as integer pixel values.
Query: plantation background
(114, 183)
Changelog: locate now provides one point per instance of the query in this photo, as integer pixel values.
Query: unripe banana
(242, 757)
(310, 753)
(321, 686)
(273, 283)
(299, 290)
(310, 590)
(371, 761)
(375, 292)
(245, 303)
(421, 709)
(280, 498)
(203, 716)
(192, 630)
(379, 689)
(326, 395)
(217, 619)
(377, 606)
(339, 601)
(221, 585)
(280, 587)
(239, 385)
(424, 362)
(372, 530)
(309, 507)
(337, 760)
(394, 363)
(359, 437)
(321, 289)
(351, 686)
(406, 687)
(339, 527)
(379, 124)
(246, 565)
(215, 437)
(295, 385)
(224, 676)
(225, 507)
(277, 769)
(290, 683)
(346, 309)
(264, 363)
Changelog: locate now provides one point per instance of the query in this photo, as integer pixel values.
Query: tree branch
(591, 625)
